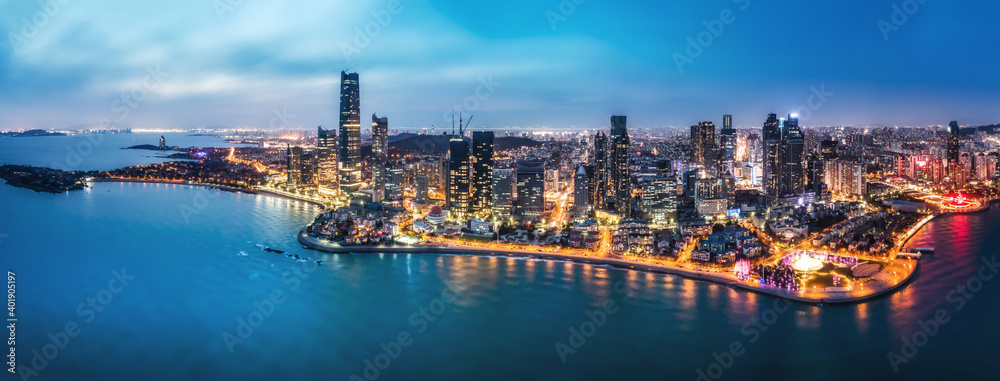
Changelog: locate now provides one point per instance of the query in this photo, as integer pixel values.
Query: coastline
(721, 278)
(214, 186)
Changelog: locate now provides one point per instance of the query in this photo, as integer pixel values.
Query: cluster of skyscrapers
(336, 166)
(774, 166)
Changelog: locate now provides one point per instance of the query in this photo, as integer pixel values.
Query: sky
(558, 64)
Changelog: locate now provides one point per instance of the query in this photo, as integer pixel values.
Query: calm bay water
(500, 318)
(100, 152)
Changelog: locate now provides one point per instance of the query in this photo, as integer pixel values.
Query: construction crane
(461, 131)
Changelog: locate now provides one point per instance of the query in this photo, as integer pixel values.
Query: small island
(150, 147)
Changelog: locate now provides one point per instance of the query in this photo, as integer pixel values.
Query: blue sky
(234, 65)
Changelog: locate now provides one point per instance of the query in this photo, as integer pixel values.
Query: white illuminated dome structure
(806, 263)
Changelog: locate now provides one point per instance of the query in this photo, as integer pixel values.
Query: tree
(718, 228)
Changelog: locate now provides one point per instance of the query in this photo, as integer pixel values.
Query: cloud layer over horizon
(232, 63)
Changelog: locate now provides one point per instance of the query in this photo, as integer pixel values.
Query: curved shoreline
(721, 278)
(213, 186)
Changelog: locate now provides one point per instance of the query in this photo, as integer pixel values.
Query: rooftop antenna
(460, 130)
(452, 125)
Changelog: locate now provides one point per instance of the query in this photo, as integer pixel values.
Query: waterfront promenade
(892, 277)
(897, 273)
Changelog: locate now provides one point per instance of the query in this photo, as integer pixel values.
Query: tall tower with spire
(459, 172)
(350, 133)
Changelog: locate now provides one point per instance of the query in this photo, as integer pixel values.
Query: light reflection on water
(507, 310)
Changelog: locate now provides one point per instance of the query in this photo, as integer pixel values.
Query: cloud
(233, 69)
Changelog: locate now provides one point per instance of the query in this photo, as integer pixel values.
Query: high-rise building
(727, 141)
(482, 173)
(953, 142)
(459, 175)
(580, 193)
(703, 147)
(350, 133)
(600, 170)
(754, 148)
(659, 195)
(436, 170)
(689, 179)
(986, 166)
(326, 158)
(619, 165)
(307, 171)
(395, 180)
(828, 149)
(163, 142)
(773, 158)
(530, 190)
(815, 178)
(729, 189)
(710, 196)
(293, 166)
(845, 177)
(793, 173)
(380, 154)
(504, 188)
(552, 179)
(591, 184)
(421, 191)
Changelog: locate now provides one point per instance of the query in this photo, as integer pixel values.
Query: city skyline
(546, 190)
(529, 65)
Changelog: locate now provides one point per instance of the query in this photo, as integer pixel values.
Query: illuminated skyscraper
(350, 133)
(580, 194)
(395, 180)
(380, 154)
(591, 184)
(953, 142)
(482, 173)
(659, 195)
(793, 173)
(421, 189)
(504, 188)
(326, 157)
(293, 167)
(773, 158)
(618, 166)
(703, 147)
(784, 159)
(845, 177)
(459, 175)
(601, 191)
(727, 141)
(530, 190)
